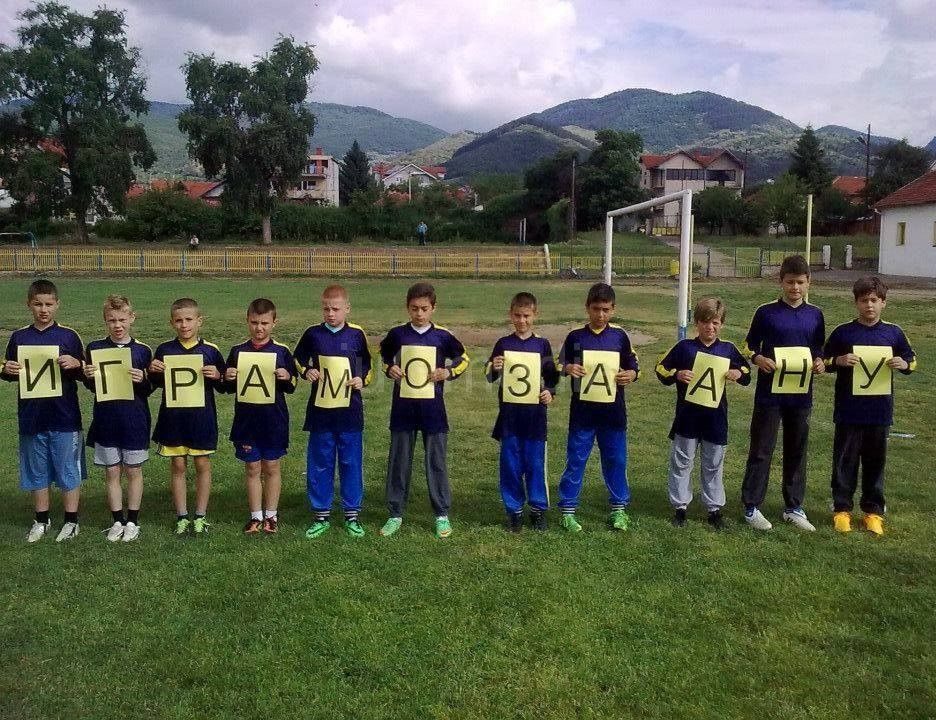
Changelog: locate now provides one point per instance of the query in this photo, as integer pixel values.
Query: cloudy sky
(477, 64)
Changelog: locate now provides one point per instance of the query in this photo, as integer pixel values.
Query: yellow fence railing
(276, 260)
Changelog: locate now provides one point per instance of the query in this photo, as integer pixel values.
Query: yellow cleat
(842, 521)
(874, 524)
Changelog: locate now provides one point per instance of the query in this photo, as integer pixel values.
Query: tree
(809, 163)
(718, 207)
(249, 125)
(894, 166)
(488, 186)
(610, 178)
(355, 174)
(31, 172)
(784, 204)
(550, 179)
(81, 84)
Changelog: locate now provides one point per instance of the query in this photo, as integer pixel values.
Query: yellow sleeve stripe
(665, 372)
(369, 377)
(458, 369)
(211, 344)
(745, 370)
(913, 364)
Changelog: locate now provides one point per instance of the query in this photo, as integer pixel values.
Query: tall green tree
(809, 163)
(81, 84)
(610, 178)
(784, 203)
(894, 166)
(355, 174)
(249, 126)
(717, 207)
(550, 179)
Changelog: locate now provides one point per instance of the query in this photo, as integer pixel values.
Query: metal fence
(740, 262)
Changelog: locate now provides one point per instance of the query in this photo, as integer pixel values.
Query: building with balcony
(318, 184)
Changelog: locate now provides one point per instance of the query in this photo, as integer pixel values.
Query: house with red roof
(694, 170)
(852, 187)
(208, 191)
(908, 229)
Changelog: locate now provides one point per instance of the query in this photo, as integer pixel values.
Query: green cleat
(182, 526)
(569, 523)
(354, 528)
(391, 526)
(443, 528)
(317, 529)
(618, 520)
(200, 526)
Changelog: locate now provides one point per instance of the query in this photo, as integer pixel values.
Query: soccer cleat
(200, 525)
(37, 531)
(270, 525)
(514, 522)
(618, 520)
(443, 528)
(538, 520)
(874, 524)
(716, 520)
(317, 529)
(391, 526)
(842, 521)
(679, 518)
(354, 528)
(569, 523)
(253, 526)
(797, 517)
(131, 532)
(68, 531)
(755, 518)
(182, 525)
(115, 532)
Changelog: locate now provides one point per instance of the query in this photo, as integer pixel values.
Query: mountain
(514, 147)
(439, 152)
(336, 127)
(931, 147)
(667, 122)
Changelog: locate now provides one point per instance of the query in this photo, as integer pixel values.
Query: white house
(319, 181)
(908, 229)
(687, 170)
(408, 174)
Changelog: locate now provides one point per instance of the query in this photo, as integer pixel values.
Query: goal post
(685, 251)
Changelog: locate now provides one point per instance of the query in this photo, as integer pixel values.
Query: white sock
(256, 515)
(442, 517)
(270, 513)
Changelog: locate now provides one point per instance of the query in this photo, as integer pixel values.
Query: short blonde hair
(709, 308)
(117, 302)
(335, 291)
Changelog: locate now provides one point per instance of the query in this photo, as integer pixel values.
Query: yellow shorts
(181, 451)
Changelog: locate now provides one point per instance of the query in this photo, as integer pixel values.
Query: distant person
(421, 230)
(193, 242)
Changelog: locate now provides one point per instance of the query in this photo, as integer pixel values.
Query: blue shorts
(52, 457)
(256, 454)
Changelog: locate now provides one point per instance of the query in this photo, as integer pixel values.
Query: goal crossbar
(685, 260)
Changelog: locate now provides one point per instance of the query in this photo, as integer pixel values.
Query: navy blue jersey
(853, 409)
(596, 415)
(520, 420)
(59, 414)
(779, 324)
(123, 424)
(427, 415)
(265, 426)
(349, 342)
(195, 428)
(693, 420)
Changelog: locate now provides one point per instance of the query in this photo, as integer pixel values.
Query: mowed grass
(654, 623)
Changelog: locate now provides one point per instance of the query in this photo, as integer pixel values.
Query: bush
(557, 217)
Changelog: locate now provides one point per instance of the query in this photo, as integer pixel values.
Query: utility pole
(866, 141)
(572, 206)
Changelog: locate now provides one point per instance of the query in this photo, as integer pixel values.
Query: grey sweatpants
(682, 458)
(400, 467)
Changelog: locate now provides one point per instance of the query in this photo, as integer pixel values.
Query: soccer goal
(685, 251)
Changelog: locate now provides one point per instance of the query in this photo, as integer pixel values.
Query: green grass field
(654, 623)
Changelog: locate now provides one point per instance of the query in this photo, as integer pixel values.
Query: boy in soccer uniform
(260, 431)
(858, 352)
(334, 357)
(188, 431)
(602, 414)
(698, 425)
(521, 418)
(50, 444)
(120, 429)
(790, 322)
(415, 357)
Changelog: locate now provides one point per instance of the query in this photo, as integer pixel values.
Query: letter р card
(185, 384)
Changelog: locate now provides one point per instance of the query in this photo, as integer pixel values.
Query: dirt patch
(556, 334)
